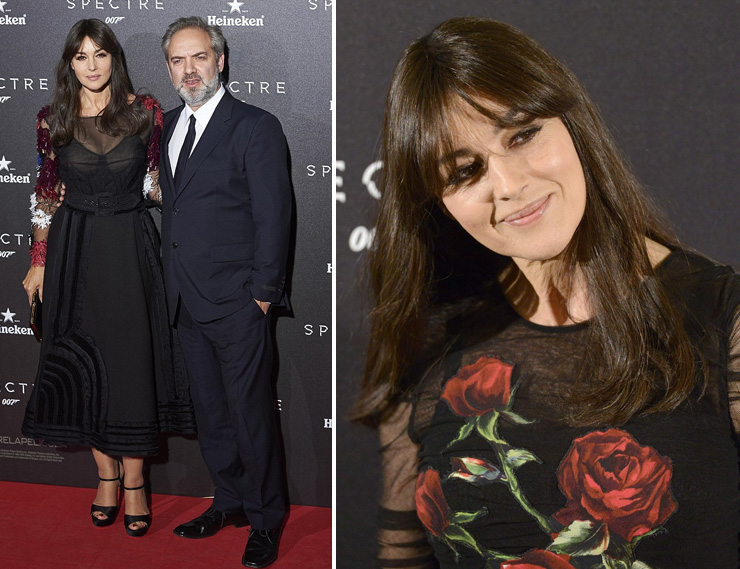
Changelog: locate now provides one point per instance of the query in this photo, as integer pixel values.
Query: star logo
(2, 9)
(7, 314)
(236, 6)
(4, 166)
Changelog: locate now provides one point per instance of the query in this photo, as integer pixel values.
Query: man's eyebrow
(176, 56)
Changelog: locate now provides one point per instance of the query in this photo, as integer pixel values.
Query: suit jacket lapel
(217, 127)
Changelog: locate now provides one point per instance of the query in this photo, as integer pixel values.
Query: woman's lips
(528, 214)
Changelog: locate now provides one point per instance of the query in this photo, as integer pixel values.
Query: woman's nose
(506, 175)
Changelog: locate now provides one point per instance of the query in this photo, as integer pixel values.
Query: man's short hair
(218, 42)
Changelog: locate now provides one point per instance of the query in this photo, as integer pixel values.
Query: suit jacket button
(175, 211)
(174, 245)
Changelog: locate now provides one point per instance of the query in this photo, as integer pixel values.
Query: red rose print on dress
(610, 478)
(539, 559)
(482, 394)
(480, 387)
(431, 505)
(435, 514)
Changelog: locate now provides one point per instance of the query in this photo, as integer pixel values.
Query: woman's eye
(524, 135)
(102, 55)
(464, 173)
(80, 58)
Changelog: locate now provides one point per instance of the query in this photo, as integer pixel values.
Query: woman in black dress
(561, 397)
(110, 374)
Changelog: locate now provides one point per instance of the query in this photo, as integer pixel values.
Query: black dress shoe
(209, 523)
(262, 547)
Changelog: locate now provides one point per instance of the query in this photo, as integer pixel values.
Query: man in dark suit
(226, 218)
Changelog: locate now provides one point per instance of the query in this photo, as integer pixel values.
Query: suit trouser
(229, 362)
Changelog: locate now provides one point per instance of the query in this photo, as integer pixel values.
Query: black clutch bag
(36, 315)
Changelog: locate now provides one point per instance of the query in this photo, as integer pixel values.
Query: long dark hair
(638, 352)
(119, 117)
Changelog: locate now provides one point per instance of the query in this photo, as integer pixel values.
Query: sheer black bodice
(95, 162)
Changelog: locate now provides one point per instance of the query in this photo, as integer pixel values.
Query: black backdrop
(279, 59)
(665, 75)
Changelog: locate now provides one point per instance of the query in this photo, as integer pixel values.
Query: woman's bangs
(436, 141)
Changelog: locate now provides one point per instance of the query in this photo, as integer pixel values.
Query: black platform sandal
(110, 511)
(128, 520)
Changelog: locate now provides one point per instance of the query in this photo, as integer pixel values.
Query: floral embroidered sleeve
(733, 371)
(151, 189)
(401, 537)
(44, 199)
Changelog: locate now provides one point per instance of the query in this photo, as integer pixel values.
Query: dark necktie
(187, 147)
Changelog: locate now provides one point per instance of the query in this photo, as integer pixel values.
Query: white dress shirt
(202, 116)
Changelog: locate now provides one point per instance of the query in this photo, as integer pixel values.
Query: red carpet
(44, 527)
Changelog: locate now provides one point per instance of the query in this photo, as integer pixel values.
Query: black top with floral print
(497, 479)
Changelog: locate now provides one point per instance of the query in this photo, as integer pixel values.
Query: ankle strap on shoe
(109, 479)
(137, 488)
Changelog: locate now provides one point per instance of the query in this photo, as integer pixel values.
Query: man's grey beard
(197, 96)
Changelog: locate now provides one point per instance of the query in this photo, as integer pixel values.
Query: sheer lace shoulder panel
(401, 536)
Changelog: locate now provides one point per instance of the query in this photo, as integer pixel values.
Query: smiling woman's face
(520, 191)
